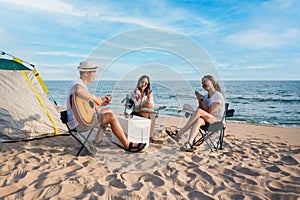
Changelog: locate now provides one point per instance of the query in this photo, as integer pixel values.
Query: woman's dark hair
(148, 86)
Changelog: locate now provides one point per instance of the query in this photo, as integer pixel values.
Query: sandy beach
(257, 162)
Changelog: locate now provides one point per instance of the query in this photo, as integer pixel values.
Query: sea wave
(264, 102)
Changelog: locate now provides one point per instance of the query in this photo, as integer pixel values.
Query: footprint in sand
(273, 169)
(205, 176)
(20, 195)
(277, 186)
(51, 191)
(98, 188)
(156, 181)
(5, 170)
(45, 181)
(245, 170)
(19, 175)
(289, 160)
(115, 182)
(137, 186)
(198, 195)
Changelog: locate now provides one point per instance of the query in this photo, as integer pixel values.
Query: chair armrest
(230, 112)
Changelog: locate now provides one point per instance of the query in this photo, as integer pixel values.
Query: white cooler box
(136, 129)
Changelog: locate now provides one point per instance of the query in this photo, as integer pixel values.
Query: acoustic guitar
(83, 109)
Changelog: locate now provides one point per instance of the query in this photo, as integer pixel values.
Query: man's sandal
(135, 147)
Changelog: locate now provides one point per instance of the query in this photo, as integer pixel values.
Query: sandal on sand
(135, 147)
(91, 149)
(198, 141)
(188, 147)
(154, 141)
(173, 135)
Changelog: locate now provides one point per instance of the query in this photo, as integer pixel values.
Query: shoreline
(271, 125)
(257, 162)
(244, 122)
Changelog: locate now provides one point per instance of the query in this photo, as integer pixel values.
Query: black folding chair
(208, 130)
(85, 143)
(130, 105)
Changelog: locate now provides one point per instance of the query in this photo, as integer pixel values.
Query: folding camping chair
(85, 143)
(130, 105)
(206, 131)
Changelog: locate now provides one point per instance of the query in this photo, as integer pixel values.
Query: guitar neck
(103, 99)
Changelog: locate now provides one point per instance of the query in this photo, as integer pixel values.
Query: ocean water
(256, 102)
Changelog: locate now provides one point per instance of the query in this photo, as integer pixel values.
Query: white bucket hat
(86, 66)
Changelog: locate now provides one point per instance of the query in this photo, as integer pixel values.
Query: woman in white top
(142, 97)
(211, 109)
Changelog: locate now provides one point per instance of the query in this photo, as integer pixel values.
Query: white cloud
(61, 53)
(128, 20)
(259, 67)
(221, 65)
(61, 67)
(56, 6)
(263, 39)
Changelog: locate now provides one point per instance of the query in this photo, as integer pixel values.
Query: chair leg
(200, 140)
(206, 137)
(78, 140)
(208, 144)
(221, 138)
(85, 141)
(212, 144)
(79, 150)
(72, 132)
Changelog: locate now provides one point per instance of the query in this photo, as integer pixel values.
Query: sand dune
(257, 162)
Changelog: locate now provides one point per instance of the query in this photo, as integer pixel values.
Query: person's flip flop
(199, 141)
(188, 147)
(173, 135)
(135, 147)
(154, 141)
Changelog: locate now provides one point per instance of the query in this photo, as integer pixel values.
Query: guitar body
(83, 109)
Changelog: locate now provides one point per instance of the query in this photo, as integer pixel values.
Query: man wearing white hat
(87, 70)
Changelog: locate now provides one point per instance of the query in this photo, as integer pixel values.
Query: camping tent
(25, 110)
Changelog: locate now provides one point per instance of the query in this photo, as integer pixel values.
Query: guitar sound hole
(91, 104)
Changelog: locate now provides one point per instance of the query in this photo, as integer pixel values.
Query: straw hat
(86, 66)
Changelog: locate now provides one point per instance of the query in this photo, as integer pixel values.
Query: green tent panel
(11, 65)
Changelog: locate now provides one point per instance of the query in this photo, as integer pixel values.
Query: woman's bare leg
(150, 116)
(195, 129)
(196, 115)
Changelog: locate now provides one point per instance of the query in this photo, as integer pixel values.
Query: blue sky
(245, 40)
